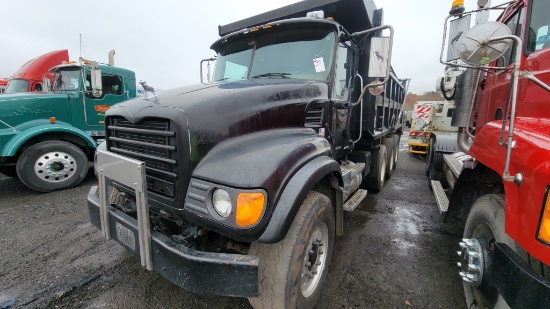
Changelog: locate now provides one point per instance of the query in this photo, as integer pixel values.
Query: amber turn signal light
(250, 207)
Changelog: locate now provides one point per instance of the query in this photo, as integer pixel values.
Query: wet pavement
(395, 253)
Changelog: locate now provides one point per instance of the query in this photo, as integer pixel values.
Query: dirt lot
(396, 253)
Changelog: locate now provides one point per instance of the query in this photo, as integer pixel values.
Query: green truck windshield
(301, 54)
(66, 80)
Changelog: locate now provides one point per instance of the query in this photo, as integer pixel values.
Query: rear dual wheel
(377, 175)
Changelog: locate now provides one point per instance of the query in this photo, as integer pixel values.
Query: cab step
(440, 196)
(355, 200)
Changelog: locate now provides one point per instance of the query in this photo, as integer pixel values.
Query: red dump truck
(499, 183)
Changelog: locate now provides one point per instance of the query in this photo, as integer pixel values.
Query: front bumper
(517, 282)
(196, 271)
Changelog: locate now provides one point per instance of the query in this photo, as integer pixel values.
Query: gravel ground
(396, 253)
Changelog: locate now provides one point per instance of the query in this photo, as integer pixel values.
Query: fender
(37, 129)
(294, 194)
(267, 160)
(470, 185)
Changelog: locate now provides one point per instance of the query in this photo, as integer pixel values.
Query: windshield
(66, 79)
(17, 85)
(301, 54)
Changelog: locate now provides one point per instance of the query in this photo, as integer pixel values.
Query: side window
(344, 72)
(515, 27)
(111, 84)
(538, 36)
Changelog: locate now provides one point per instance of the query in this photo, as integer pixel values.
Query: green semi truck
(47, 139)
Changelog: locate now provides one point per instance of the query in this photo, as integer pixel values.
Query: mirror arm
(383, 82)
(205, 60)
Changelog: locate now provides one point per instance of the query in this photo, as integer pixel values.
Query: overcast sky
(163, 41)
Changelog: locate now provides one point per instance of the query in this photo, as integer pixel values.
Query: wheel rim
(315, 259)
(55, 166)
(484, 294)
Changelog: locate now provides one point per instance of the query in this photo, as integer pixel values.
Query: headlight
(222, 202)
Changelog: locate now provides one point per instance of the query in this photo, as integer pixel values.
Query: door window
(539, 38)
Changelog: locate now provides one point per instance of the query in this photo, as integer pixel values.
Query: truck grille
(152, 142)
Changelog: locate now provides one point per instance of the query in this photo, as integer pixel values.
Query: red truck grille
(152, 142)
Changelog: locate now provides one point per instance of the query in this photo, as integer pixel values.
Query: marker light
(457, 8)
(250, 207)
(544, 226)
(222, 202)
(53, 120)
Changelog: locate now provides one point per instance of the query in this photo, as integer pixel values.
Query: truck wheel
(436, 169)
(390, 157)
(9, 171)
(52, 165)
(293, 271)
(484, 226)
(396, 140)
(429, 156)
(377, 175)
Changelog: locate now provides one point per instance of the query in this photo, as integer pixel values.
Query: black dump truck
(237, 186)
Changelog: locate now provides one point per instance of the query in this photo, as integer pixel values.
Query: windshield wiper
(283, 75)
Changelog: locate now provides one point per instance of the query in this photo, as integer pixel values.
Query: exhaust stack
(112, 58)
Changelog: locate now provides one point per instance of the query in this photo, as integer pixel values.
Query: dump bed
(354, 15)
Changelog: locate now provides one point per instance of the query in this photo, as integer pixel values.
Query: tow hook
(471, 261)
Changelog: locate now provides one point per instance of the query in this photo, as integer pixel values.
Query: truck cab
(30, 76)
(47, 138)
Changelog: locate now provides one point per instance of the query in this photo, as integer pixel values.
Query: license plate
(126, 236)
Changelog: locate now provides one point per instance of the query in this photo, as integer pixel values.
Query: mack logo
(101, 108)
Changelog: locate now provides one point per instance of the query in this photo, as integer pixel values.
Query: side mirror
(483, 43)
(46, 83)
(95, 76)
(379, 64)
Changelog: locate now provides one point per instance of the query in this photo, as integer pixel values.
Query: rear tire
(436, 170)
(390, 155)
(52, 165)
(283, 269)
(396, 140)
(377, 175)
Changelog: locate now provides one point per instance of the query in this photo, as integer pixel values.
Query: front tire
(52, 165)
(293, 271)
(485, 224)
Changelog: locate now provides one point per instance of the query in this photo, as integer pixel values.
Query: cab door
(112, 93)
